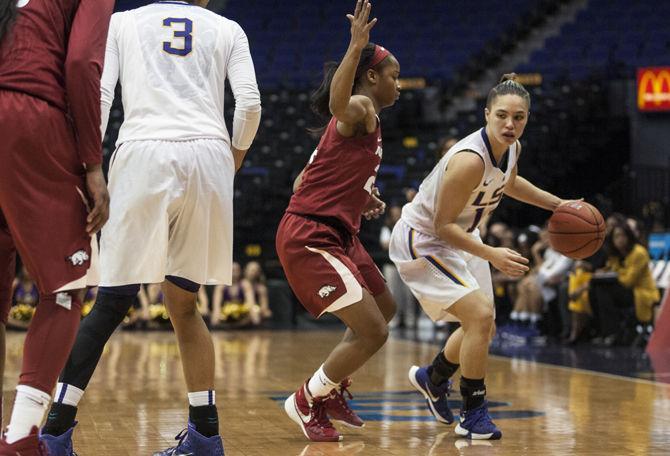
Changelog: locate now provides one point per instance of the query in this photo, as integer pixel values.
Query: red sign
(653, 89)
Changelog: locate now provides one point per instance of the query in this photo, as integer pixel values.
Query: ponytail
(508, 86)
(8, 11)
(320, 99)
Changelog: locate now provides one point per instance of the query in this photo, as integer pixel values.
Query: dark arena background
(575, 379)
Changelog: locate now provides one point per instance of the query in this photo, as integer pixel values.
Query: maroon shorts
(42, 183)
(326, 268)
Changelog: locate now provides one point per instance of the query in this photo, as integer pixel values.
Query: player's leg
(475, 311)
(337, 406)
(201, 249)
(197, 357)
(7, 273)
(54, 246)
(367, 332)
(111, 307)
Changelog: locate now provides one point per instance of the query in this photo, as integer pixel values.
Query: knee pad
(183, 283)
(123, 290)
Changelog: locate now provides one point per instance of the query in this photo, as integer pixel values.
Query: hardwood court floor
(136, 402)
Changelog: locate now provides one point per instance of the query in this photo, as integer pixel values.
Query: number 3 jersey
(420, 213)
(338, 179)
(172, 59)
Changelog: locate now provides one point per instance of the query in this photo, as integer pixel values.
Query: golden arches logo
(653, 89)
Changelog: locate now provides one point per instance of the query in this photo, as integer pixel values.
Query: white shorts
(437, 274)
(171, 213)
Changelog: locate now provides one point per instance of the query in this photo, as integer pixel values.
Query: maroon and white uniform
(317, 240)
(50, 67)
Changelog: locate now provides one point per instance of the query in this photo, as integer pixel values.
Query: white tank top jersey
(172, 59)
(420, 213)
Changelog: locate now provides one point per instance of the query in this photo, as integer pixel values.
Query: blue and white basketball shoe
(476, 424)
(436, 396)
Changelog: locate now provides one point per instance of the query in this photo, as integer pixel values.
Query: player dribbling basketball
(440, 256)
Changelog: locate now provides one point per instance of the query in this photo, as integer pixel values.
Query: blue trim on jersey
(411, 242)
(444, 271)
(485, 137)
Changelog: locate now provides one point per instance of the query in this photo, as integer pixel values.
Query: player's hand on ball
(509, 261)
(360, 27)
(564, 202)
(98, 198)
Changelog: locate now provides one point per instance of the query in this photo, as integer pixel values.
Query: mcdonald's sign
(653, 89)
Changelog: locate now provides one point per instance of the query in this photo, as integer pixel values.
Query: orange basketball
(577, 230)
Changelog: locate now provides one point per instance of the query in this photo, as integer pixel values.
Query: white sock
(514, 315)
(535, 317)
(320, 385)
(30, 406)
(524, 316)
(68, 394)
(202, 398)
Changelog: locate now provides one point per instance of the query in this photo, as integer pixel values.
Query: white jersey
(420, 213)
(172, 59)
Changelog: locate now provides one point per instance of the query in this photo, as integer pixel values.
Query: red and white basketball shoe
(27, 446)
(338, 408)
(313, 419)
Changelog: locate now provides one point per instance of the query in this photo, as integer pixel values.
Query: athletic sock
(202, 412)
(473, 392)
(205, 419)
(320, 385)
(29, 408)
(441, 370)
(60, 419)
(64, 409)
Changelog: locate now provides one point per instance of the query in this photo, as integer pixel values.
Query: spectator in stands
(539, 287)
(202, 301)
(444, 145)
(628, 291)
(406, 312)
(234, 304)
(255, 278)
(25, 297)
(410, 193)
(578, 294)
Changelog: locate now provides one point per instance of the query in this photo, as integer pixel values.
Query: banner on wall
(653, 89)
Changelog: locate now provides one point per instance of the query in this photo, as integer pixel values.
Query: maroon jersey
(54, 52)
(338, 179)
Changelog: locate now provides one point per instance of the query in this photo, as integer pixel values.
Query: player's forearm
(343, 80)
(526, 192)
(83, 69)
(456, 237)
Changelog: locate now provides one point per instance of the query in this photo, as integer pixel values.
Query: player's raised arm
(346, 108)
(242, 79)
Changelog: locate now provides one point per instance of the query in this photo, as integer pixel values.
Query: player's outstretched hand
(375, 206)
(509, 261)
(98, 197)
(360, 27)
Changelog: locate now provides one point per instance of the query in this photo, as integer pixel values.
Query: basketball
(576, 230)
